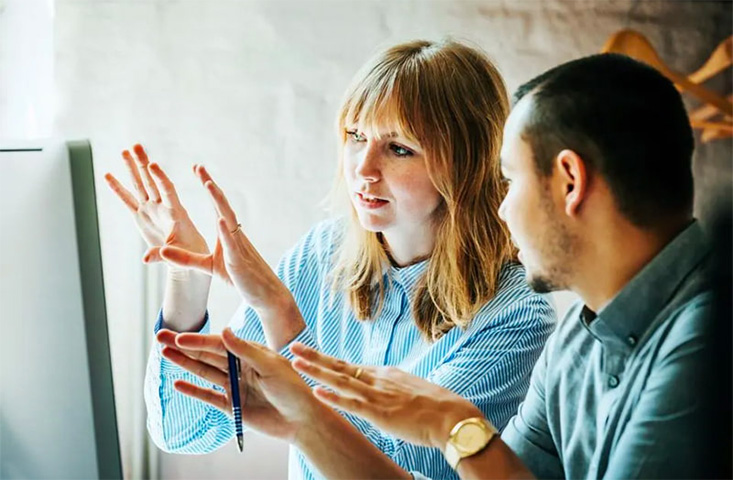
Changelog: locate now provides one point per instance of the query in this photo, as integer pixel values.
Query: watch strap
(452, 455)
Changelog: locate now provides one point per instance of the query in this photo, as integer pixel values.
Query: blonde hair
(450, 99)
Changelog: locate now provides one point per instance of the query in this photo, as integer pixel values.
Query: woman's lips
(370, 202)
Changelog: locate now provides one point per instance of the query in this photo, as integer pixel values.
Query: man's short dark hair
(628, 123)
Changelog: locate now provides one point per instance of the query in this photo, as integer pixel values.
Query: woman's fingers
(152, 255)
(220, 201)
(260, 358)
(198, 368)
(167, 337)
(208, 349)
(227, 237)
(208, 395)
(142, 194)
(222, 204)
(167, 189)
(335, 365)
(143, 163)
(198, 341)
(183, 258)
(202, 173)
(340, 382)
(127, 198)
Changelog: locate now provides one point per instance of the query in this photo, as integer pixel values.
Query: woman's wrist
(280, 304)
(281, 321)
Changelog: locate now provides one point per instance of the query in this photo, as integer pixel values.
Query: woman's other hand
(404, 405)
(275, 399)
(235, 259)
(156, 208)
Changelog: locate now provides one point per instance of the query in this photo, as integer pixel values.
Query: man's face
(533, 212)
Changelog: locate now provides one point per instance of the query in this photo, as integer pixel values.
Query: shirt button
(632, 340)
(613, 381)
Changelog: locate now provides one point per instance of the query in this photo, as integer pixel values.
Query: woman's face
(387, 179)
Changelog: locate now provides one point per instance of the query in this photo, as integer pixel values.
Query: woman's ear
(573, 179)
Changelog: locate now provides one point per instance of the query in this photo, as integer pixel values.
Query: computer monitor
(57, 409)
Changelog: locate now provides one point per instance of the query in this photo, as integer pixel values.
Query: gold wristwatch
(467, 438)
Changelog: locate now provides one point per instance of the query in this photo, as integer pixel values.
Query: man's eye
(356, 136)
(400, 151)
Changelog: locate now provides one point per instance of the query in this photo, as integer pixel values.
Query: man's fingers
(142, 194)
(143, 164)
(340, 382)
(208, 395)
(200, 369)
(167, 189)
(183, 258)
(331, 363)
(353, 405)
(127, 198)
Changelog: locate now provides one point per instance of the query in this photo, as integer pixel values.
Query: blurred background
(250, 89)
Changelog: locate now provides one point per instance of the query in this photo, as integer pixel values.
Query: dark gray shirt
(618, 395)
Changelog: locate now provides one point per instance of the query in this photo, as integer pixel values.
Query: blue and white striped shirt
(489, 362)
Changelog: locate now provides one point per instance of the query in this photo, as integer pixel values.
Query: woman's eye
(356, 136)
(400, 151)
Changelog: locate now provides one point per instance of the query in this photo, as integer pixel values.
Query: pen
(234, 372)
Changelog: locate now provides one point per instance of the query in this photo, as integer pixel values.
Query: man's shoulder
(690, 321)
(569, 330)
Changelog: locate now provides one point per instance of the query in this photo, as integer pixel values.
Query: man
(597, 154)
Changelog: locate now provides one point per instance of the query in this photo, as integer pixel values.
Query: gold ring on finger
(358, 373)
(239, 227)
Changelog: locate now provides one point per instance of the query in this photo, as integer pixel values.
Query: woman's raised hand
(158, 213)
(234, 259)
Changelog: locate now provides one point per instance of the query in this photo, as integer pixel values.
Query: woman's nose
(502, 209)
(368, 166)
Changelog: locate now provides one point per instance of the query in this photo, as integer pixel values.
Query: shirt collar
(407, 277)
(623, 322)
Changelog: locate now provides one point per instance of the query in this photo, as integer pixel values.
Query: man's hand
(401, 404)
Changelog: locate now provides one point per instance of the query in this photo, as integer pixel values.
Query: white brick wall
(250, 89)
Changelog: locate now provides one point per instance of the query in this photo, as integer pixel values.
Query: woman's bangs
(378, 107)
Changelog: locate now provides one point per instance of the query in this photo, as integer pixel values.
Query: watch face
(471, 437)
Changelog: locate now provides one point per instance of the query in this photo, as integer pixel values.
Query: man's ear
(573, 179)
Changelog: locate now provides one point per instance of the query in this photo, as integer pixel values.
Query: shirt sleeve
(667, 435)
(491, 369)
(528, 433)
(181, 424)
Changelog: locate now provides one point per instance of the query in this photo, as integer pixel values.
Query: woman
(420, 274)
